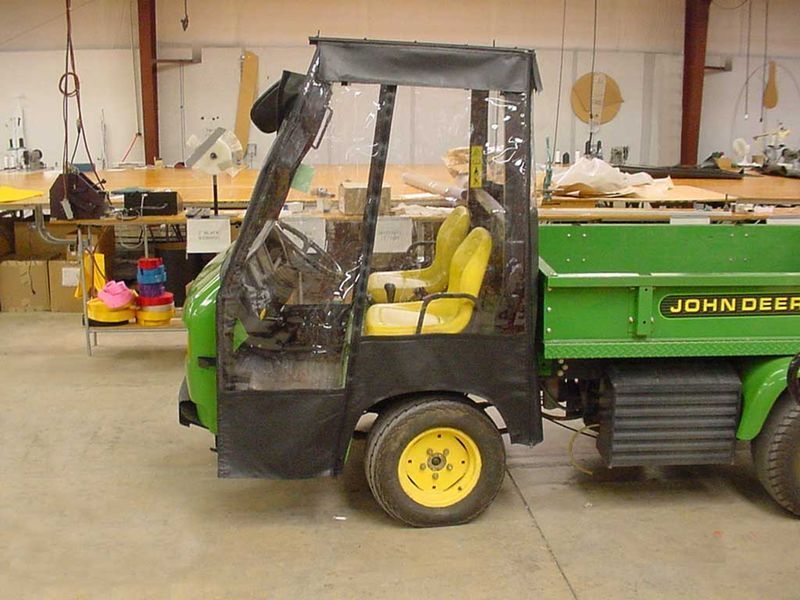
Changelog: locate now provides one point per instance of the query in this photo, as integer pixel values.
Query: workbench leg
(145, 233)
(84, 298)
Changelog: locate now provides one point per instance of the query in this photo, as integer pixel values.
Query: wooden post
(694, 60)
(147, 62)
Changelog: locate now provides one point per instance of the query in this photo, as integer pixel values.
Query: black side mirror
(273, 105)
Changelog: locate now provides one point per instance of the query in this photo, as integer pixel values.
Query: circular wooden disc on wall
(607, 97)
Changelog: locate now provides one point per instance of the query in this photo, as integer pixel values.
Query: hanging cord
(747, 60)
(182, 91)
(571, 448)
(560, 71)
(39, 25)
(136, 136)
(764, 72)
(137, 96)
(591, 87)
(70, 87)
(752, 74)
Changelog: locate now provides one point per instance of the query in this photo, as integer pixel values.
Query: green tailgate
(670, 290)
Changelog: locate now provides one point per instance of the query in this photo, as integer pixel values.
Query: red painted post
(147, 62)
(694, 61)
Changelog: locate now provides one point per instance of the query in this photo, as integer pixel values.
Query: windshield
(288, 288)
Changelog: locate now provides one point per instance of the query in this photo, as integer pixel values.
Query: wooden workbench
(756, 188)
(195, 187)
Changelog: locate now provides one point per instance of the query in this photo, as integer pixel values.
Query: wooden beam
(148, 69)
(695, 34)
(248, 86)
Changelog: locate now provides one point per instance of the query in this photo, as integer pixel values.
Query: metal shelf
(175, 325)
(91, 331)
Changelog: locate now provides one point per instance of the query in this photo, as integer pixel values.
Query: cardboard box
(29, 244)
(24, 285)
(6, 237)
(64, 276)
(353, 198)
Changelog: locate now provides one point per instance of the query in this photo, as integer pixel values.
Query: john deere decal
(730, 305)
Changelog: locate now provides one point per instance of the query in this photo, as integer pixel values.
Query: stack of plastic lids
(115, 305)
(156, 305)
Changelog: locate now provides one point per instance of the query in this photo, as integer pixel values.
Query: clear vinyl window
(296, 292)
(448, 258)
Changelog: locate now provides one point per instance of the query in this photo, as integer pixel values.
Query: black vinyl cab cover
(296, 368)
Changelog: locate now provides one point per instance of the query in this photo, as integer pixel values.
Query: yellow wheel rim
(440, 467)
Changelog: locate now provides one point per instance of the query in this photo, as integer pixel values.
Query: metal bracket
(38, 221)
(644, 310)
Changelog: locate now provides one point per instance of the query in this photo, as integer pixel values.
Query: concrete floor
(104, 495)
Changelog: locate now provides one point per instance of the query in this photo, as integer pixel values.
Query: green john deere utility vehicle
(672, 342)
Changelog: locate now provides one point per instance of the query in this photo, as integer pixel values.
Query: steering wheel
(320, 261)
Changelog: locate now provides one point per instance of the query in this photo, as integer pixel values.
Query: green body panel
(604, 286)
(200, 316)
(762, 382)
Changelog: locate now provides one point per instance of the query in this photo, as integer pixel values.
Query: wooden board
(763, 189)
(195, 187)
(680, 194)
(611, 215)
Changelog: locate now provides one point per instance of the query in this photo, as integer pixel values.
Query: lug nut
(446, 452)
(430, 451)
(422, 467)
(436, 476)
(449, 467)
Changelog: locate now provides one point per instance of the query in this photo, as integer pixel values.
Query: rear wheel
(776, 454)
(435, 461)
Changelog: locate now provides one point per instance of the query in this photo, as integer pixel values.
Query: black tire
(776, 454)
(398, 426)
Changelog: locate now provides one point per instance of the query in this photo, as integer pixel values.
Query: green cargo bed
(670, 290)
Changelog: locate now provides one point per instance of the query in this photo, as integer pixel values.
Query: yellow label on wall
(476, 166)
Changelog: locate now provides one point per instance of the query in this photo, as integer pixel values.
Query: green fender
(762, 382)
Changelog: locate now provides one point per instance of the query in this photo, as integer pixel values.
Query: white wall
(724, 105)
(30, 81)
(639, 44)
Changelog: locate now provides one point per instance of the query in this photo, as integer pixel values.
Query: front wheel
(776, 454)
(435, 461)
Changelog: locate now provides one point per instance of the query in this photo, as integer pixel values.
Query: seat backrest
(451, 233)
(469, 263)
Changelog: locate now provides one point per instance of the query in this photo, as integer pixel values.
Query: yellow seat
(442, 312)
(432, 278)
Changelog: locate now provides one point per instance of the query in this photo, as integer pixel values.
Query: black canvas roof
(428, 65)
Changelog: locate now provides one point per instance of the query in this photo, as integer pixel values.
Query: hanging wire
(747, 65)
(182, 92)
(560, 71)
(41, 24)
(137, 95)
(591, 87)
(764, 72)
(70, 86)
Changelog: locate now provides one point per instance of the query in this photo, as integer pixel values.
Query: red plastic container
(165, 298)
(150, 263)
